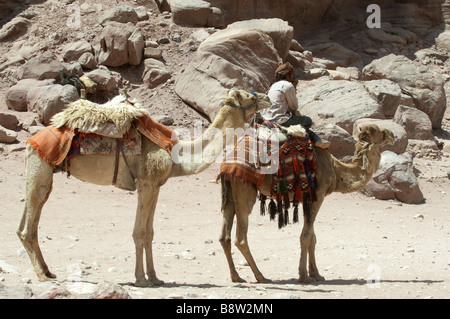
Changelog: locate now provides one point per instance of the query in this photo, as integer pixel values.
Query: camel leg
(307, 246)
(143, 235)
(244, 195)
(39, 181)
(227, 225)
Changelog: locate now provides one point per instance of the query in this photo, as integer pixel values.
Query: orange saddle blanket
(53, 144)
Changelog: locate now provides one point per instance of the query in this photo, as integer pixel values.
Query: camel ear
(389, 137)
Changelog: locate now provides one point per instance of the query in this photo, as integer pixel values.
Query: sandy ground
(366, 248)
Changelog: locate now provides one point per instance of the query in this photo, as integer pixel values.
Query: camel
(151, 169)
(238, 199)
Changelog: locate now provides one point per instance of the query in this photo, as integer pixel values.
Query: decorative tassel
(286, 217)
(263, 198)
(280, 220)
(272, 209)
(295, 218)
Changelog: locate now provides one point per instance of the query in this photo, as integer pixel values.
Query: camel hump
(112, 119)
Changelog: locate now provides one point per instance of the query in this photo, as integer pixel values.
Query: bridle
(246, 108)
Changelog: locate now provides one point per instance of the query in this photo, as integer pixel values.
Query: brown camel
(151, 170)
(332, 176)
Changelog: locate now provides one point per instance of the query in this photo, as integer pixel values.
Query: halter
(244, 109)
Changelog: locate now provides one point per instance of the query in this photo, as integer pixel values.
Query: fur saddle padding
(89, 117)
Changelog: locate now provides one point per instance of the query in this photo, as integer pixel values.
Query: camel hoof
(319, 277)
(155, 282)
(48, 276)
(237, 279)
(141, 283)
(306, 280)
(264, 280)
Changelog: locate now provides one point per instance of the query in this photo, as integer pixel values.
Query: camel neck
(355, 175)
(192, 157)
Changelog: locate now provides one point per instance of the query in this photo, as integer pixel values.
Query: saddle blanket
(292, 164)
(250, 159)
(53, 144)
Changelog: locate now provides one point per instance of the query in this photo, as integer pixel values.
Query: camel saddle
(286, 155)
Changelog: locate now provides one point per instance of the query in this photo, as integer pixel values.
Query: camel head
(248, 102)
(373, 134)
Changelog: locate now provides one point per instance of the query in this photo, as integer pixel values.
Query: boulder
(106, 290)
(153, 53)
(337, 102)
(230, 58)
(386, 93)
(338, 54)
(73, 51)
(103, 79)
(400, 136)
(136, 45)
(16, 96)
(48, 100)
(155, 73)
(280, 32)
(395, 179)
(87, 61)
(122, 14)
(443, 41)
(8, 120)
(6, 135)
(416, 123)
(44, 66)
(190, 12)
(425, 86)
(15, 28)
(342, 143)
(120, 44)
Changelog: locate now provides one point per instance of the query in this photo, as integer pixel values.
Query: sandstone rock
(56, 293)
(342, 143)
(395, 179)
(400, 136)
(15, 291)
(386, 93)
(6, 135)
(106, 290)
(155, 73)
(279, 30)
(443, 41)
(336, 102)
(16, 96)
(15, 28)
(338, 54)
(153, 53)
(113, 49)
(230, 58)
(103, 78)
(141, 13)
(190, 12)
(48, 100)
(45, 66)
(136, 47)
(87, 61)
(122, 14)
(8, 120)
(425, 86)
(73, 51)
(416, 123)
